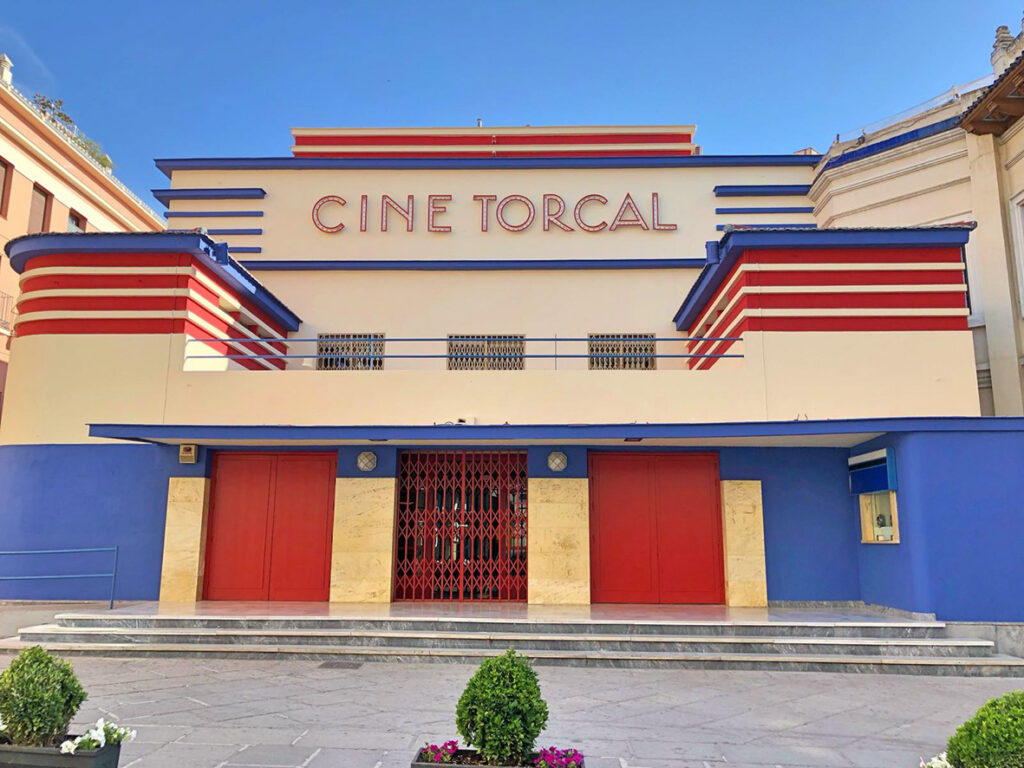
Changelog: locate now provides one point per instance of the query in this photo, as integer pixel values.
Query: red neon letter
(654, 216)
(485, 204)
(435, 207)
(387, 202)
(636, 221)
(332, 228)
(579, 209)
(362, 213)
(550, 217)
(500, 213)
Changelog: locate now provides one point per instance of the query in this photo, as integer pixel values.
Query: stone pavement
(203, 713)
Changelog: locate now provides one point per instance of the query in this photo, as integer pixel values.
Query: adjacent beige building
(49, 183)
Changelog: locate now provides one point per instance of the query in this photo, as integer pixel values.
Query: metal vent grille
(486, 353)
(350, 351)
(621, 351)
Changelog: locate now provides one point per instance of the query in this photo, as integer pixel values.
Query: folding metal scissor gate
(461, 526)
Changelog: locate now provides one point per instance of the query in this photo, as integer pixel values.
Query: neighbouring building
(560, 365)
(50, 183)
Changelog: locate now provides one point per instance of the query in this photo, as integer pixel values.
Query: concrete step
(427, 639)
(929, 665)
(884, 628)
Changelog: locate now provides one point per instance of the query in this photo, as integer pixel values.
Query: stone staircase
(878, 646)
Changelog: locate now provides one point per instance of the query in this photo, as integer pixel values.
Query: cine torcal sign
(513, 213)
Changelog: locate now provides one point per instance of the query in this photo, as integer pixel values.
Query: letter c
(330, 229)
(579, 210)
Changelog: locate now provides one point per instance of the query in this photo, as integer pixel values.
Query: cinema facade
(553, 366)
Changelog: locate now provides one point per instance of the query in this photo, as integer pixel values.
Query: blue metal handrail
(112, 575)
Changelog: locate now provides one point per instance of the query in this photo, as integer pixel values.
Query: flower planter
(468, 757)
(51, 757)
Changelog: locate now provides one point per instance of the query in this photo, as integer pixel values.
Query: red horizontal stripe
(98, 326)
(97, 303)
(51, 282)
(494, 139)
(852, 256)
(856, 300)
(500, 153)
(858, 277)
(115, 259)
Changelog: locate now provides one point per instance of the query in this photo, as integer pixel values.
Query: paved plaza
(203, 713)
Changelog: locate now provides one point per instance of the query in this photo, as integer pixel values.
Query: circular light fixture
(557, 461)
(366, 461)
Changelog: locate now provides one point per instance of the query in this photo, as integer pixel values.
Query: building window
(6, 177)
(39, 213)
(486, 353)
(621, 351)
(76, 221)
(879, 523)
(350, 352)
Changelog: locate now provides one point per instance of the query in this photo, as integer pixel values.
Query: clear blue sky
(219, 78)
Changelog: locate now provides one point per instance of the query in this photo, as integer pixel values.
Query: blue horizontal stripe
(206, 214)
(781, 209)
(223, 193)
(762, 190)
(197, 432)
(245, 249)
(424, 265)
(169, 165)
(721, 227)
(896, 141)
(234, 231)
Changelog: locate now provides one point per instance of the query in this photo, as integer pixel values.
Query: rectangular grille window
(350, 351)
(621, 351)
(486, 353)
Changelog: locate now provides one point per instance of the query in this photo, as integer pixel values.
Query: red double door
(269, 526)
(655, 528)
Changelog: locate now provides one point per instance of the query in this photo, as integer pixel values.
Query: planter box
(464, 753)
(50, 757)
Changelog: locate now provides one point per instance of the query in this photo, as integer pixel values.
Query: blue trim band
(234, 231)
(424, 265)
(721, 227)
(781, 209)
(214, 255)
(896, 141)
(763, 190)
(206, 214)
(558, 432)
(169, 165)
(244, 249)
(722, 256)
(226, 193)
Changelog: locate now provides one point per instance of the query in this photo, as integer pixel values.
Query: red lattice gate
(461, 528)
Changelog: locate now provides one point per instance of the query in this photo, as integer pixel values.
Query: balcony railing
(6, 311)
(371, 353)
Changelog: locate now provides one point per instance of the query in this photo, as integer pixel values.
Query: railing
(112, 575)
(369, 352)
(6, 311)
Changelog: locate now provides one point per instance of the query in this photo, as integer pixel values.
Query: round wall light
(366, 461)
(557, 461)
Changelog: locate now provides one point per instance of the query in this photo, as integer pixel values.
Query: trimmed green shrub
(993, 738)
(501, 712)
(39, 696)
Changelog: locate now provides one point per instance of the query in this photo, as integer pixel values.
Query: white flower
(936, 762)
(69, 747)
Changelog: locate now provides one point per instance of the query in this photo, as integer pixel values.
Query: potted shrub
(39, 696)
(500, 714)
(993, 737)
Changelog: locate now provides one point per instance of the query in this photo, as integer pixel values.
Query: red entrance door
(269, 530)
(655, 528)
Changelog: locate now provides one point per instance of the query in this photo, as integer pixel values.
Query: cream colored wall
(784, 376)
(181, 573)
(362, 563)
(558, 567)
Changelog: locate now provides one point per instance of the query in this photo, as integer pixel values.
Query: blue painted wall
(961, 512)
(79, 496)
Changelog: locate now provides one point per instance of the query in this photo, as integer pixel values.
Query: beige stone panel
(743, 534)
(181, 574)
(558, 533)
(362, 560)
